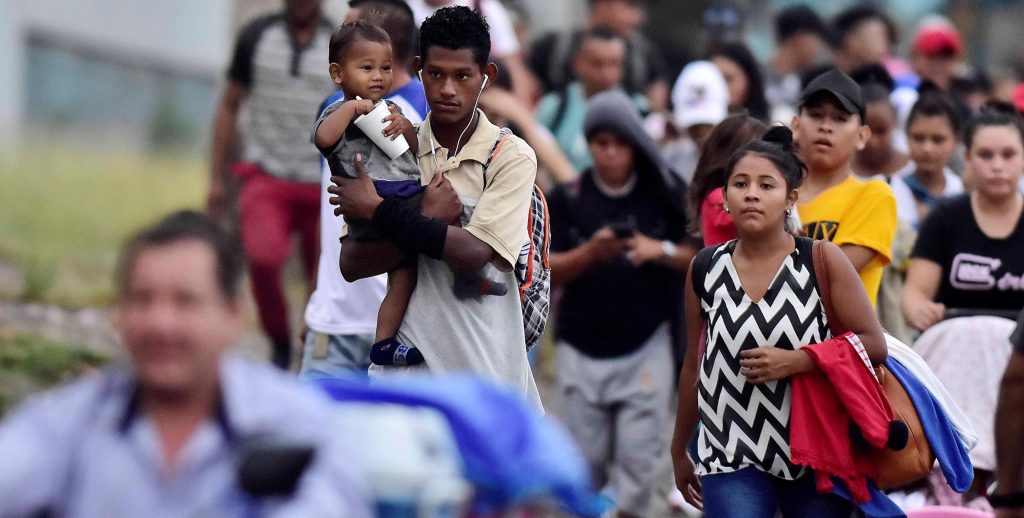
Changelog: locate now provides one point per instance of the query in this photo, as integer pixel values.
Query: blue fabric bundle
(949, 450)
(511, 454)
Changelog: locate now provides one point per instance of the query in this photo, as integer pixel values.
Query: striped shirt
(286, 84)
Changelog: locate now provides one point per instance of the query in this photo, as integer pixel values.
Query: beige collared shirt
(496, 206)
(482, 336)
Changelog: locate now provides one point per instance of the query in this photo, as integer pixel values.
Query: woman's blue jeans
(751, 493)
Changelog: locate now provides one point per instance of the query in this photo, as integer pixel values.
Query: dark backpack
(533, 269)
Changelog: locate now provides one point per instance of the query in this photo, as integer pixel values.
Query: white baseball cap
(700, 95)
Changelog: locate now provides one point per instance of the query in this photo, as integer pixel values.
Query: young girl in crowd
(738, 387)
(932, 129)
(970, 249)
(743, 77)
(709, 218)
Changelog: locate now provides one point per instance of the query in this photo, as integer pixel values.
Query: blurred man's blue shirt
(89, 450)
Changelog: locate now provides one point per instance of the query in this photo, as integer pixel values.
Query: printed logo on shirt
(973, 272)
(822, 230)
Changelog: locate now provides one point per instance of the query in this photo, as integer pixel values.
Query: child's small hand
(398, 124)
(361, 106)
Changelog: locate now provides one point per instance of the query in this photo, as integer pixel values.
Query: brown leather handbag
(895, 468)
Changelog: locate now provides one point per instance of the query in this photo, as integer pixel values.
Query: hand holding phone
(623, 229)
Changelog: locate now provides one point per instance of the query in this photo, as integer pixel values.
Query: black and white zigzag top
(745, 425)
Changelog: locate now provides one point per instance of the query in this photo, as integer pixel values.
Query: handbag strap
(824, 289)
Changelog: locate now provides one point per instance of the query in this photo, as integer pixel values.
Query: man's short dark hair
(349, 33)
(849, 20)
(595, 33)
(186, 225)
(397, 19)
(456, 28)
(798, 19)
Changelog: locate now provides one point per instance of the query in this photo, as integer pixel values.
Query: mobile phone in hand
(623, 229)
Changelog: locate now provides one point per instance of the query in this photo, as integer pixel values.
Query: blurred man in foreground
(164, 435)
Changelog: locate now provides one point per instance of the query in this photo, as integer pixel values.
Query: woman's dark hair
(935, 103)
(756, 103)
(777, 147)
(728, 136)
(186, 225)
(994, 113)
(456, 28)
(350, 32)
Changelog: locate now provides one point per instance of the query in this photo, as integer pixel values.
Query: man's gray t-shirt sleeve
(331, 108)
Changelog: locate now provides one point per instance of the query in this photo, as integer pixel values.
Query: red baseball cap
(937, 40)
(1018, 97)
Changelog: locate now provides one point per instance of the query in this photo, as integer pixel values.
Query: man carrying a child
(479, 182)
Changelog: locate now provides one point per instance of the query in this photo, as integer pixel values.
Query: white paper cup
(372, 124)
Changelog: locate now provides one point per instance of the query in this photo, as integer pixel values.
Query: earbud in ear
(420, 73)
(482, 85)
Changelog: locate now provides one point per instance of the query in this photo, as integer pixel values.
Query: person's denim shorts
(335, 356)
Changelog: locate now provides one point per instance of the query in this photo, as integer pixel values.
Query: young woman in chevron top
(758, 299)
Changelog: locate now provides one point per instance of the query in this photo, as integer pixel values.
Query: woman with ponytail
(758, 300)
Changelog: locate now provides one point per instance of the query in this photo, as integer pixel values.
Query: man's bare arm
(225, 129)
(362, 258)
(1009, 428)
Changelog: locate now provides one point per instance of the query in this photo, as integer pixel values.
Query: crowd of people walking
(732, 265)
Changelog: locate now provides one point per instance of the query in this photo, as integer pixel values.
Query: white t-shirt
(503, 34)
(339, 307)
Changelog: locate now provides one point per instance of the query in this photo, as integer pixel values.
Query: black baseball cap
(840, 86)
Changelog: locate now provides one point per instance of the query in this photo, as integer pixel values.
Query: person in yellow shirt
(858, 216)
